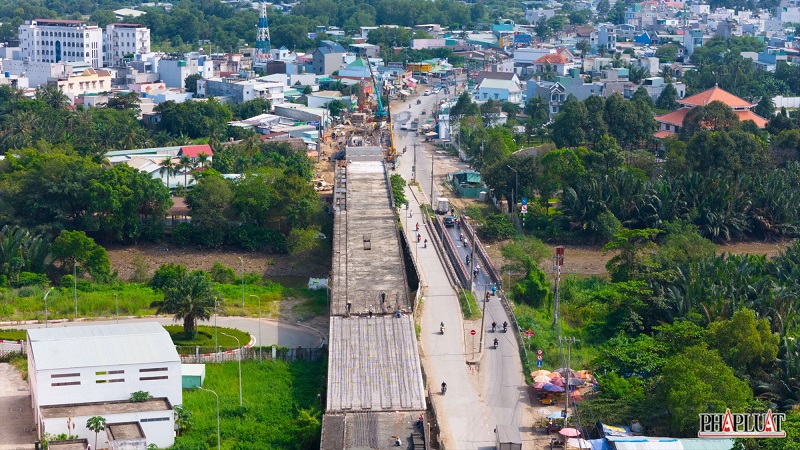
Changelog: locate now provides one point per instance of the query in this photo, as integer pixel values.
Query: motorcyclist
(488, 296)
(426, 244)
(494, 325)
(444, 387)
(417, 226)
(468, 259)
(419, 237)
(495, 342)
(441, 327)
(505, 326)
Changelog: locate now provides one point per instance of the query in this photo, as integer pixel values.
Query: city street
(478, 397)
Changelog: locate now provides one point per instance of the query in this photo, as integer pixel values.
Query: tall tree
(765, 108)
(96, 424)
(668, 99)
(569, 124)
(190, 298)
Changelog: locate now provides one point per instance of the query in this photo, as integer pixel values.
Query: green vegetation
(204, 337)
(469, 305)
(398, 189)
(284, 415)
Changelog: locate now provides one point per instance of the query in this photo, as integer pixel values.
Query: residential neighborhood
(424, 224)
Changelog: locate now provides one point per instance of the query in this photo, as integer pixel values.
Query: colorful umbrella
(584, 374)
(538, 385)
(558, 382)
(542, 379)
(569, 432)
(554, 375)
(540, 372)
(576, 382)
(563, 372)
(553, 388)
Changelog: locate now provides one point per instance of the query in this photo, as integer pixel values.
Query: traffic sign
(472, 332)
(539, 352)
(538, 364)
(529, 333)
(524, 200)
(538, 357)
(524, 209)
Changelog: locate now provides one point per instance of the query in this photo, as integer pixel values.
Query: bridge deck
(367, 268)
(374, 365)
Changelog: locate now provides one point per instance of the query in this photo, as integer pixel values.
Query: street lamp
(219, 447)
(75, 286)
(516, 189)
(260, 344)
(45, 306)
(242, 260)
(216, 330)
(240, 364)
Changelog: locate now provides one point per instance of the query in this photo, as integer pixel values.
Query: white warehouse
(83, 371)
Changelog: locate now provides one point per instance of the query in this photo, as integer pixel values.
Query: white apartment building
(125, 39)
(47, 40)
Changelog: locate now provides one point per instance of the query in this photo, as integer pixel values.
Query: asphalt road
(272, 332)
(476, 401)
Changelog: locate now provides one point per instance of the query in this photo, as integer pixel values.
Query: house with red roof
(671, 123)
(552, 62)
(194, 151)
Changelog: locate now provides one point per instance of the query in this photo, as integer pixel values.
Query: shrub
(608, 226)
(253, 237)
(183, 234)
(533, 289)
(166, 274)
(223, 274)
(140, 269)
(497, 227)
(29, 279)
(140, 396)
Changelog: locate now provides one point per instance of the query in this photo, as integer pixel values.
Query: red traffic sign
(539, 352)
(472, 332)
(538, 357)
(529, 333)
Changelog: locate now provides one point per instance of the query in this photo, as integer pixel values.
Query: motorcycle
(444, 388)
(494, 326)
(419, 102)
(441, 328)
(417, 226)
(425, 244)
(505, 327)
(495, 342)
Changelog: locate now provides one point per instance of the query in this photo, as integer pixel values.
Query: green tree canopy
(746, 343)
(190, 298)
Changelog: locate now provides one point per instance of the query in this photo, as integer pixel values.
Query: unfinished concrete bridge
(375, 389)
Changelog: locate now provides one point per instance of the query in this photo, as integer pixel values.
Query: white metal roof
(101, 345)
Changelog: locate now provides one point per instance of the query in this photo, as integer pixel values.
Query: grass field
(133, 299)
(205, 336)
(281, 406)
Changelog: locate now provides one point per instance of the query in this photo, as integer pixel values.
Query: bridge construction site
(375, 391)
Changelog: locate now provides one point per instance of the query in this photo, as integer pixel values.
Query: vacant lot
(16, 415)
(194, 258)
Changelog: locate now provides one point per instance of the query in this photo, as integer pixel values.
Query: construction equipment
(381, 113)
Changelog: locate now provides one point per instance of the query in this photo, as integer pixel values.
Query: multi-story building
(53, 41)
(91, 81)
(239, 91)
(125, 39)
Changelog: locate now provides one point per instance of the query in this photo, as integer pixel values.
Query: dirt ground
(194, 258)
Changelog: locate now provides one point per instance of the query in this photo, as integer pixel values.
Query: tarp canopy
(467, 177)
(403, 92)
(431, 134)
(610, 430)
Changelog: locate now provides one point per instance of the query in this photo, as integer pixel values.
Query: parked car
(449, 221)
(427, 92)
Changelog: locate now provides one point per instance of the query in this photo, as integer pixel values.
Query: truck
(508, 438)
(442, 205)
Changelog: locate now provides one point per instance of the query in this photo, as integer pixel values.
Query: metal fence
(271, 353)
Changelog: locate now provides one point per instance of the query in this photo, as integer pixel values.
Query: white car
(427, 92)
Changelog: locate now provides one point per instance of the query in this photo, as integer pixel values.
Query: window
(153, 378)
(155, 419)
(115, 380)
(154, 369)
(64, 375)
(67, 383)
(114, 372)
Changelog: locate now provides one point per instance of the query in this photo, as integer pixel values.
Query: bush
(221, 273)
(608, 226)
(166, 274)
(533, 290)
(497, 227)
(253, 237)
(29, 279)
(183, 234)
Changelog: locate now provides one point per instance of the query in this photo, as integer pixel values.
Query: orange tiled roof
(663, 134)
(715, 94)
(674, 117)
(750, 115)
(552, 59)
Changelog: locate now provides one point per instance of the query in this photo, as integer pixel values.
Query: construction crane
(381, 113)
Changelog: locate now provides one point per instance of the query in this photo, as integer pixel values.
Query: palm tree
(96, 424)
(168, 166)
(185, 164)
(202, 158)
(190, 298)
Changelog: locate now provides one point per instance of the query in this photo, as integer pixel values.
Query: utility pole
(483, 317)
(558, 261)
(433, 154)
(414, 165)
(569, 341)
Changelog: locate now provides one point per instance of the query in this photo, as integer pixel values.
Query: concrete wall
(786, 102)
